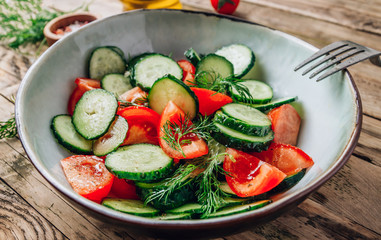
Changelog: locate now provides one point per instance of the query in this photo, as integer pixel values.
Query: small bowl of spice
(60, 26)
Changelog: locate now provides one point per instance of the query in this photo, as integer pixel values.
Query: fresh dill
(209, 193)
(178, 134)
(214, 81)
(8, 128)
(138, 102)
(23, 21)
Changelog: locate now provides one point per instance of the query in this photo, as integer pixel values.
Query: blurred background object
(150, 4)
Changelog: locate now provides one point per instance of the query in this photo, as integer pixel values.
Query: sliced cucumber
(66, 135)
(244, 118)
(212, 66)
(192, 56)
(241, 56)
(140, 162)
(239, 209)
(193, 208)
(94, 113)
(169, 88)
(135, 207)
(261, 92)
(152, 67)
(226, 189)
(175, 199)
(105, 60)
(171, 216)
(113, 138)
(116, 83)
(274, 103)
(288, 182)
(234, 139)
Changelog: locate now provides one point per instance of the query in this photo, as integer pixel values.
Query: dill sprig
(209, 193)
(8, 128)
(181, 177)
(175, 133)
(23, 21)
(214, 81)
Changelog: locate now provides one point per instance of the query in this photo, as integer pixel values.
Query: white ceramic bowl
(331, 109)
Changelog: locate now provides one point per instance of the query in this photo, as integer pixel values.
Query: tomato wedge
(135, 95)
(88, 176)
(143, 125)
(83, 85)
(285, 122)
(210, 101)
(248, 175)
(188, 72)
(287, 158)
(195, 147)
(123, 188)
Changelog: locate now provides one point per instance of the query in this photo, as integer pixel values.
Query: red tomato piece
(83, 85)
(248, 175)
(123, 188)
(88, 176)
(135, 95)
(189, 72)
(143, 125)
(285, 122)
(225, 6)
(196, 147)
(287, 158)
(210, 101)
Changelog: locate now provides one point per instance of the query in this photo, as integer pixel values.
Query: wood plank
(20, 175)
(14, 63)
(353, 14)
(18, 220)
(319, 34)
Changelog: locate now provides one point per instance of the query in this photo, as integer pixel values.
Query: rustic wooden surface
(346, 207)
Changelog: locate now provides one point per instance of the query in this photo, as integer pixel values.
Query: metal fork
(342, 53)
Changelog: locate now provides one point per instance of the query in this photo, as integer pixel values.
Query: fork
(342, 53)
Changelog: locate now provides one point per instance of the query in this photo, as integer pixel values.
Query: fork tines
(335, 53)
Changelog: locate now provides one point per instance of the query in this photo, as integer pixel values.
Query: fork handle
(376, 60)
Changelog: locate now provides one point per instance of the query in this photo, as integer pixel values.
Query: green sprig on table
(23, 21)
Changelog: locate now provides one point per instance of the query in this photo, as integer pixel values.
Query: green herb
(8, 128)
(209, 193)
(213, 81)
(175, 133)
(23, 21)
(180, 177)
(142, 101)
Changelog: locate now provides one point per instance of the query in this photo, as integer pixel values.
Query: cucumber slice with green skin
(169, 88)
(105, 60)
(170, 216)
(113, 138)
(288, 182)
(244, 118)
(94, 113)
(261, 92)
(66, 135)
(241, 56)
(177, 198)
(239, 209)
(192, 56)
(193, 208)
(240, 141)
(274, 103)
(134, 207)
(139, 162)
(116, 83)
(212, 66)
(150, 68)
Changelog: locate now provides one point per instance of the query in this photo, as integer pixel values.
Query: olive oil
(150, 4)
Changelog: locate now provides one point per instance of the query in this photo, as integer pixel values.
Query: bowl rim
(277, 206)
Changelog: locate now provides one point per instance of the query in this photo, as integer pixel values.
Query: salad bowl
(331, 110)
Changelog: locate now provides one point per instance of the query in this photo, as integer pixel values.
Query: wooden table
(346, 207)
